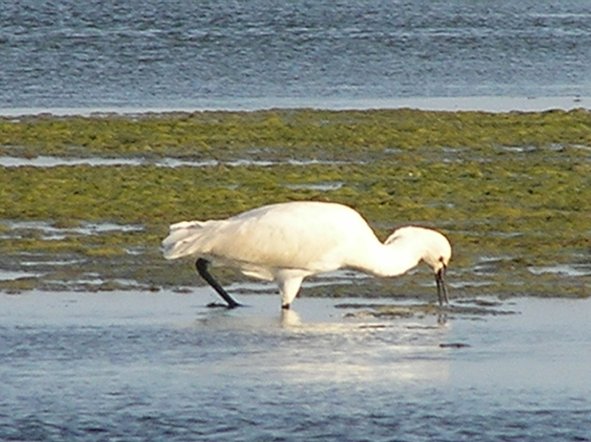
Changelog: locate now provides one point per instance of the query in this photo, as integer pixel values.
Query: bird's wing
(307, 236)
(299, 236)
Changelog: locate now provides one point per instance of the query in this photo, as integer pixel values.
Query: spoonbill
(286, 242)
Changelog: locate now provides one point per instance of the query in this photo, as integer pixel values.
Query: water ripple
(124, 366)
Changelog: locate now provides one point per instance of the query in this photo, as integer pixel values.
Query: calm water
(137, 366)
(227, 53)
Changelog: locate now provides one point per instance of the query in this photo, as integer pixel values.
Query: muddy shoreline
(86, 200)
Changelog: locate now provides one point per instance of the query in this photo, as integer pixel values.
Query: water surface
(139, 366)
(186, 54)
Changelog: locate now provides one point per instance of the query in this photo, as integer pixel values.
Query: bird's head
(433, 248)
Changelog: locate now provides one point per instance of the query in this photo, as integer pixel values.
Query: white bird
(287, 242)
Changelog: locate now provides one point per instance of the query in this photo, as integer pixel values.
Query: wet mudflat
(87, 200)
(148, 366)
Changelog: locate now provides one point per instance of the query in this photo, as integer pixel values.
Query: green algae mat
(512, 191)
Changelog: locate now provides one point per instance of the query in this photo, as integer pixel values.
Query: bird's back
(311, 236)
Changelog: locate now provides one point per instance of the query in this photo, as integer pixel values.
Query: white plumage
(287, 242)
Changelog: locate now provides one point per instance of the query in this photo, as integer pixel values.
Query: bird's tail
(181, 239)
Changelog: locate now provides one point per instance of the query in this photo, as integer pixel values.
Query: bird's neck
(389, 259)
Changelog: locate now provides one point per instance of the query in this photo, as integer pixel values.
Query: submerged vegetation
(512, 191)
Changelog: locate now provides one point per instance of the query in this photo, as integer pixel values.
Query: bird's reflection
(290, 318)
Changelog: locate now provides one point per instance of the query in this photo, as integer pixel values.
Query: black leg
(441, 288)
(201, 265)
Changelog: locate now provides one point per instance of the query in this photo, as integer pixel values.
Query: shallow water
(138, 366)
(45, 161)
